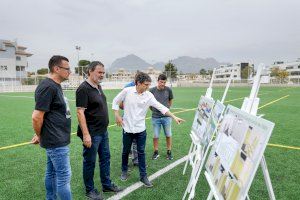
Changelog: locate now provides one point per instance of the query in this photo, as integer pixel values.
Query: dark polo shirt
(96, 114)
(56, 128)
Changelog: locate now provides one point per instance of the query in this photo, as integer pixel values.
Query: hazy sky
(155, 30)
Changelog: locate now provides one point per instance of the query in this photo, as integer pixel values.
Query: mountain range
(185, 64)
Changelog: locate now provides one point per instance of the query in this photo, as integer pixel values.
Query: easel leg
(188, 160)
(267, 178)
(191, 186)
(210, 196)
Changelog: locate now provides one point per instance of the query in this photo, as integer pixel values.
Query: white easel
(197, 152)
(193, 148)
(250, 105)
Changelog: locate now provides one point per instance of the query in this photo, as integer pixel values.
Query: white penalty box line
(157, 174)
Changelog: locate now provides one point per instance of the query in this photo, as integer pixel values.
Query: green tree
(203, 72)
(210, 72)
(42, 71)
(29, 74)
(82, 67)
(83, 63)
(28, 81)
(170, 70)
(279, 74)
(274, 72)
(246, 72)
(282, 75)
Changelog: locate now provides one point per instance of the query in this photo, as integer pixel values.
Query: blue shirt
(130, 84)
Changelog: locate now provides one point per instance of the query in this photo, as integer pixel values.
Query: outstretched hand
(179, 120)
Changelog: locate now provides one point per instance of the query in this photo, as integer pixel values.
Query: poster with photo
(237, 152)
(202, 116)
(217, 112)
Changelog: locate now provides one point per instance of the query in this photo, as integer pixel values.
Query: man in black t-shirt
(51, 121)
(93, 120)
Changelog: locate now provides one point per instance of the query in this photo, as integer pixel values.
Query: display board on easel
(202, 141)
(198, 128)
(203, 148)
(236, 153)
(202, 120)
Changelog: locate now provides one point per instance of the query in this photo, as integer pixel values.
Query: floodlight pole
(78, 48)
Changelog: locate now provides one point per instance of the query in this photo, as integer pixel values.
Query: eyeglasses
(67, 69)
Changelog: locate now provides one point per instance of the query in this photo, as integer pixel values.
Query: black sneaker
(146, 182)
(94, 195)
(169, 155)
(112, 188)
(155, 155)
(124, 176)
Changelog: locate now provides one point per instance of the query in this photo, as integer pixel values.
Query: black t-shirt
(96, 113)
(56, 128)
(162, 96)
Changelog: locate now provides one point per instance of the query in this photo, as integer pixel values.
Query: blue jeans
(164, 122)
(58, 173)
(100, 146)
(141, 141)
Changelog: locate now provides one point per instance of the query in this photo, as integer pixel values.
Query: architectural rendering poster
(217, 111)
(213, 122)
(237, 152)
(202, 117)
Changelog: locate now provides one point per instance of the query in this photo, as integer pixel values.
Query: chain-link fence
(118, 79)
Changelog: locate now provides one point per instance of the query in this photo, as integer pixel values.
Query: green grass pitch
(22, 168)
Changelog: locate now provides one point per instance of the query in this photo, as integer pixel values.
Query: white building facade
(223, 72)
(13, 60)
(293, 68)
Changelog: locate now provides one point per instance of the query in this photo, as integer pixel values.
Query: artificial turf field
(22, 167)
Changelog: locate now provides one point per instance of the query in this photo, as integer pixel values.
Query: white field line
(157, 174)
(16, 96)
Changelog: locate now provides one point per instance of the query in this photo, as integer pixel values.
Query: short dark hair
(142, 77)
(56, 61)
(92, 66)
(162, 77)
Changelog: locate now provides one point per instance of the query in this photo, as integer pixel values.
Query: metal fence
(28, 84)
